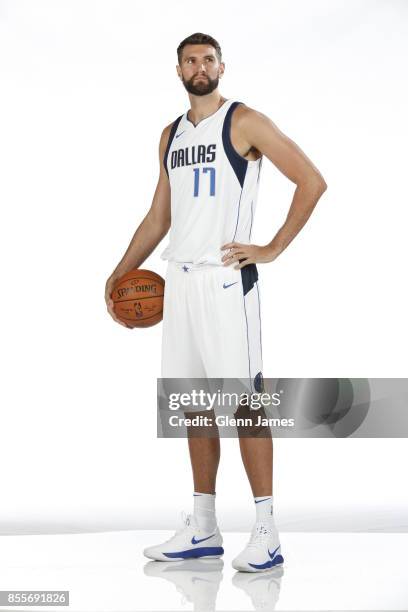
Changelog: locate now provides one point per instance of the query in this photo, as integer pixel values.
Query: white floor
(107, 572)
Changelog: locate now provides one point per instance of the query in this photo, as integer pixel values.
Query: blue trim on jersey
(192, 553)
(259, 315)
(236, 225)
(195, 125)
(238, 163)
(259, 169)
(171, 138)
(249, 356)
(258, 382)
(249, 276)
(252, 218)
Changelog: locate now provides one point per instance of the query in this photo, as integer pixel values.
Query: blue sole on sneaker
(278, 560)
(195, 553)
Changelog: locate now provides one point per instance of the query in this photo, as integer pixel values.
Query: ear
(222, 69)
(178, 71)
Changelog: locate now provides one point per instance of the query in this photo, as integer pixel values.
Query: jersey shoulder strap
(171, 138)
(238, 163)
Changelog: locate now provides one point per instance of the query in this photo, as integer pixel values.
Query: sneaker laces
(259, 534)
(185, 520)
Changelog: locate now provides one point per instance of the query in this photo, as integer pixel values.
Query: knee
(251, 423)
(203, 424)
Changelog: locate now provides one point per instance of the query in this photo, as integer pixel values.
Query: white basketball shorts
(212, 323)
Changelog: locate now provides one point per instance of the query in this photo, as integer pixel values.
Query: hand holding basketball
(135, 299)
(110, 283)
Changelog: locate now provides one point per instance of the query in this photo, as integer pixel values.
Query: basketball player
(210, 162)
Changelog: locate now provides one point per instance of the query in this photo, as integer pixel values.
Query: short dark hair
(199, 39)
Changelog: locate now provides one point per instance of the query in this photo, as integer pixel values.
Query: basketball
(138, 298)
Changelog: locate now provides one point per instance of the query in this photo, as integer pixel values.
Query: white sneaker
(189, 542)
(262, 552)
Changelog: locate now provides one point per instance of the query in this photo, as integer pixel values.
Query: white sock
(204, 510)
(264, 508)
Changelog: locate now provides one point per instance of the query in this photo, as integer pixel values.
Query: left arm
(258, 132)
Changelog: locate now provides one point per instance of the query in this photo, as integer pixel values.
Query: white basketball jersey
(213, 189)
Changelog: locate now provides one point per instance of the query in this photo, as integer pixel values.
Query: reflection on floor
(107, 572)
(197, 580)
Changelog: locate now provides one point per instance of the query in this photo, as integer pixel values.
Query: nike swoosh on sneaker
(274, 553)
(273, 560)
(194, 541)
(230, 285)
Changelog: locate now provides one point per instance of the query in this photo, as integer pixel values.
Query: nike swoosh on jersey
(230, 285)
(181, 133)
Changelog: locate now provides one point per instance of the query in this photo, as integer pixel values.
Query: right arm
(150, 232)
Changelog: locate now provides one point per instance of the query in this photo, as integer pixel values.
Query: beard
(200, 88)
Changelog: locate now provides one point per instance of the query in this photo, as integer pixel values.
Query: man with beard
(210, 162)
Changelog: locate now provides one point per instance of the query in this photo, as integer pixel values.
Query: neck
(203, 106)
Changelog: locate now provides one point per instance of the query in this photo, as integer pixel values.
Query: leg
(257, 457)
(255, 442)
(204, 447)
(200, 537)
(263, 550)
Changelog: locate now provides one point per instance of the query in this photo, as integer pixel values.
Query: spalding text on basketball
(125, 291)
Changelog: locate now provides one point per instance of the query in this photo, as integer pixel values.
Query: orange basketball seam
(144, 319)
(147, 297)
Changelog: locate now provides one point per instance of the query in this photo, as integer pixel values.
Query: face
(200, 69)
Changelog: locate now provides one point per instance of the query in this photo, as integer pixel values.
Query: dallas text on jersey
(193, 155)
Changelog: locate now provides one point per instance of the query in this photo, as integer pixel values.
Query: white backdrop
(86, 88)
